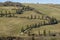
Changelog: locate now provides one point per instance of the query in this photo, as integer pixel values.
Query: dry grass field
(12, 26)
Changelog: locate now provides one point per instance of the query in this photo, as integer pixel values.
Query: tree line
(9, 3)
(42, 23)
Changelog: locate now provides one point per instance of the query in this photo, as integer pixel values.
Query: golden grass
(12, 26)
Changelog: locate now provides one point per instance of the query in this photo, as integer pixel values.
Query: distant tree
(6, 13)
(23, 8)
(29, 33)
(44, 22)
(53, 20)
(1, 14)
(39, 33)
(39, 24)
(27, 8)
(33, 38)
(22, 29)
(31, 16)
(35, 17)
(19, 11)
(35, 25)
(27, 27)
(44, 31)
(10, 14)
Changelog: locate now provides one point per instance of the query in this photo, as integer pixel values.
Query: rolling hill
(11, 26)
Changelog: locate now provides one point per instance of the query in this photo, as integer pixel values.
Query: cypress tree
(22, 29)
(6, 13)
(44, 31)
(39, 33)
(33, 38)
(10, 14)
(39, 24)
(35, 17)
(1, 14)
(44, 22)
(27, 27)
(28, 33)
(31, 17)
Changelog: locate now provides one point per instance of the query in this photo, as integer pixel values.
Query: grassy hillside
(47, 9)
(51, 10)
(12, 26)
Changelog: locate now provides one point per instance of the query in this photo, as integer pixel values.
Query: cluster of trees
(9, 3)
(24, 8)
(39, 33)
(36, 25)
(53, 21)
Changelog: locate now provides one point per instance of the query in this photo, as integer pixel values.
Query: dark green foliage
(19, 11)
(10, 15)
(22, 29)
(44, 32)
(6, 13)
(28, 8)
(31, 16)
(44, 22)
(23, 8)
(39, 24)
(2, 14)
(53, 21)
(39, 33)
(35, 25)
(27, 27)
(33, 38)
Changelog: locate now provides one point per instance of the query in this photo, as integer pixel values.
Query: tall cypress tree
(22, 29)
(6, 13)
(10, 14)
(39, 33)
(31, 16)
(44, 31)
(1, 14)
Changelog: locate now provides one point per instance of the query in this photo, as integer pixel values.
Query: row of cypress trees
(6, 14)
(42, 23)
